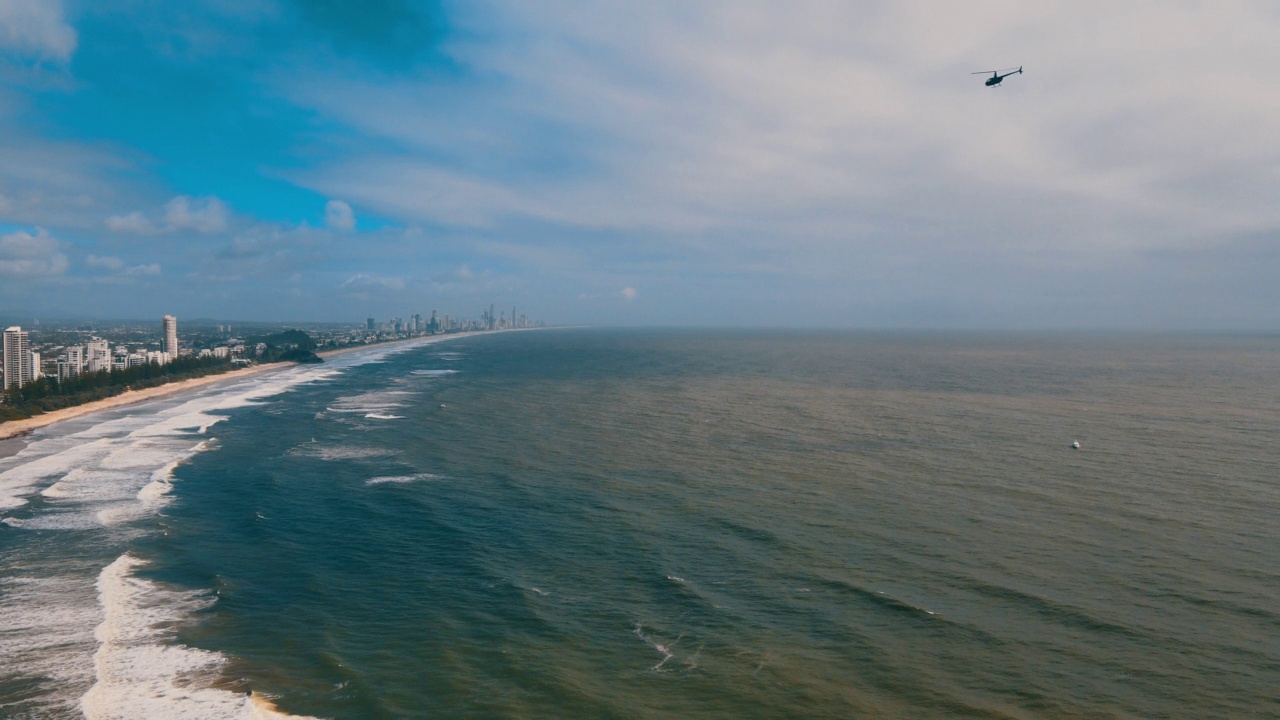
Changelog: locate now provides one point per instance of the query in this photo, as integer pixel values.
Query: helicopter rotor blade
(983, 72)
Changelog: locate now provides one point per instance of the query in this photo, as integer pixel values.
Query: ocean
(659, 523)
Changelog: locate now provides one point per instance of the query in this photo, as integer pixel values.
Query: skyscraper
(171, 336)
(17, 358)
(72, 363)
(97, 355)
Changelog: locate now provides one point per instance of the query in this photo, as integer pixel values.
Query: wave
(89, 479)
(48, 623)
(105, 648)
(341, 452)
(400, 479)
(140, 672)
(433, 373)
(149, 436)
(875, 598)
(667, 649)
(63, 456)
(371, 404)
(381, 416)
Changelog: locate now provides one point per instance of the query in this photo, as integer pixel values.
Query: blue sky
(815, 163)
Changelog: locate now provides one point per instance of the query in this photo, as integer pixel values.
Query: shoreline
(13, 431)
(16, 428)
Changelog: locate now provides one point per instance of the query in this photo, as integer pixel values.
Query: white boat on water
(1075, 444)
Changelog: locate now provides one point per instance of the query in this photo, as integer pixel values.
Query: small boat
(1075, 444)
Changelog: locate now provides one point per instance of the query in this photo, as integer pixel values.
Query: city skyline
(20, 363)
(23, 365)
(742, 163)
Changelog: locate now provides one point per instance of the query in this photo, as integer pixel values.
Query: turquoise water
(656, 523)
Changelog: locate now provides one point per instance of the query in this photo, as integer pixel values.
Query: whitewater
(81, 633)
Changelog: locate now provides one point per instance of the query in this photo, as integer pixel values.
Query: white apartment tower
(17, 358)
(171, 336)
(98, 355)
(73, 364)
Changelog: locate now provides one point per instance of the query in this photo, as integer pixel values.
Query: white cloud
(36, 28)
(24, 255)
(339, 216)
(134, 222)
(362, 283)
(629, 294)
(205, 214)
(56, 183)
(724, 115)
(105, 262)
(116, 265)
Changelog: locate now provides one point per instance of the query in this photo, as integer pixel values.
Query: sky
(717, 162)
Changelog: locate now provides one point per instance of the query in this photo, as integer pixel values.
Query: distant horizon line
(10, 320)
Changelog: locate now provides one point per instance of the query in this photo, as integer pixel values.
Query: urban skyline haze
(719, 163)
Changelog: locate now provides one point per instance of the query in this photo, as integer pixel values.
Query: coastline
(12, 432)
(16, 428)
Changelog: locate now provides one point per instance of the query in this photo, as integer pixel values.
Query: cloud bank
(36, 28)
(27, 255)
(742, 162)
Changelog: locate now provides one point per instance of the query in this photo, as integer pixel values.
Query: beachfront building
(170, 325)
(71, 363)
(17, 358)
(97, 355)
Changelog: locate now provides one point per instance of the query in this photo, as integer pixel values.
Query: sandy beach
(13, 430)
(17, 428)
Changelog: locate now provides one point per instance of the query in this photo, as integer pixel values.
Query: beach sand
(12, 432)
(16, 428)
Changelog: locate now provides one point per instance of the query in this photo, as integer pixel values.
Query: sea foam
(95, 476)
(400, 479)
(140, 672)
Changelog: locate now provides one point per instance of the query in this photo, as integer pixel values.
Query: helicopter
(996, 77)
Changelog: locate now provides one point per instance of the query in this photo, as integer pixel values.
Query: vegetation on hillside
(288, 346)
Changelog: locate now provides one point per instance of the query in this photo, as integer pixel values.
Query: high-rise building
(97, 355)
(370, 325)
(17, 358)
(72, 363)
(171, 336)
